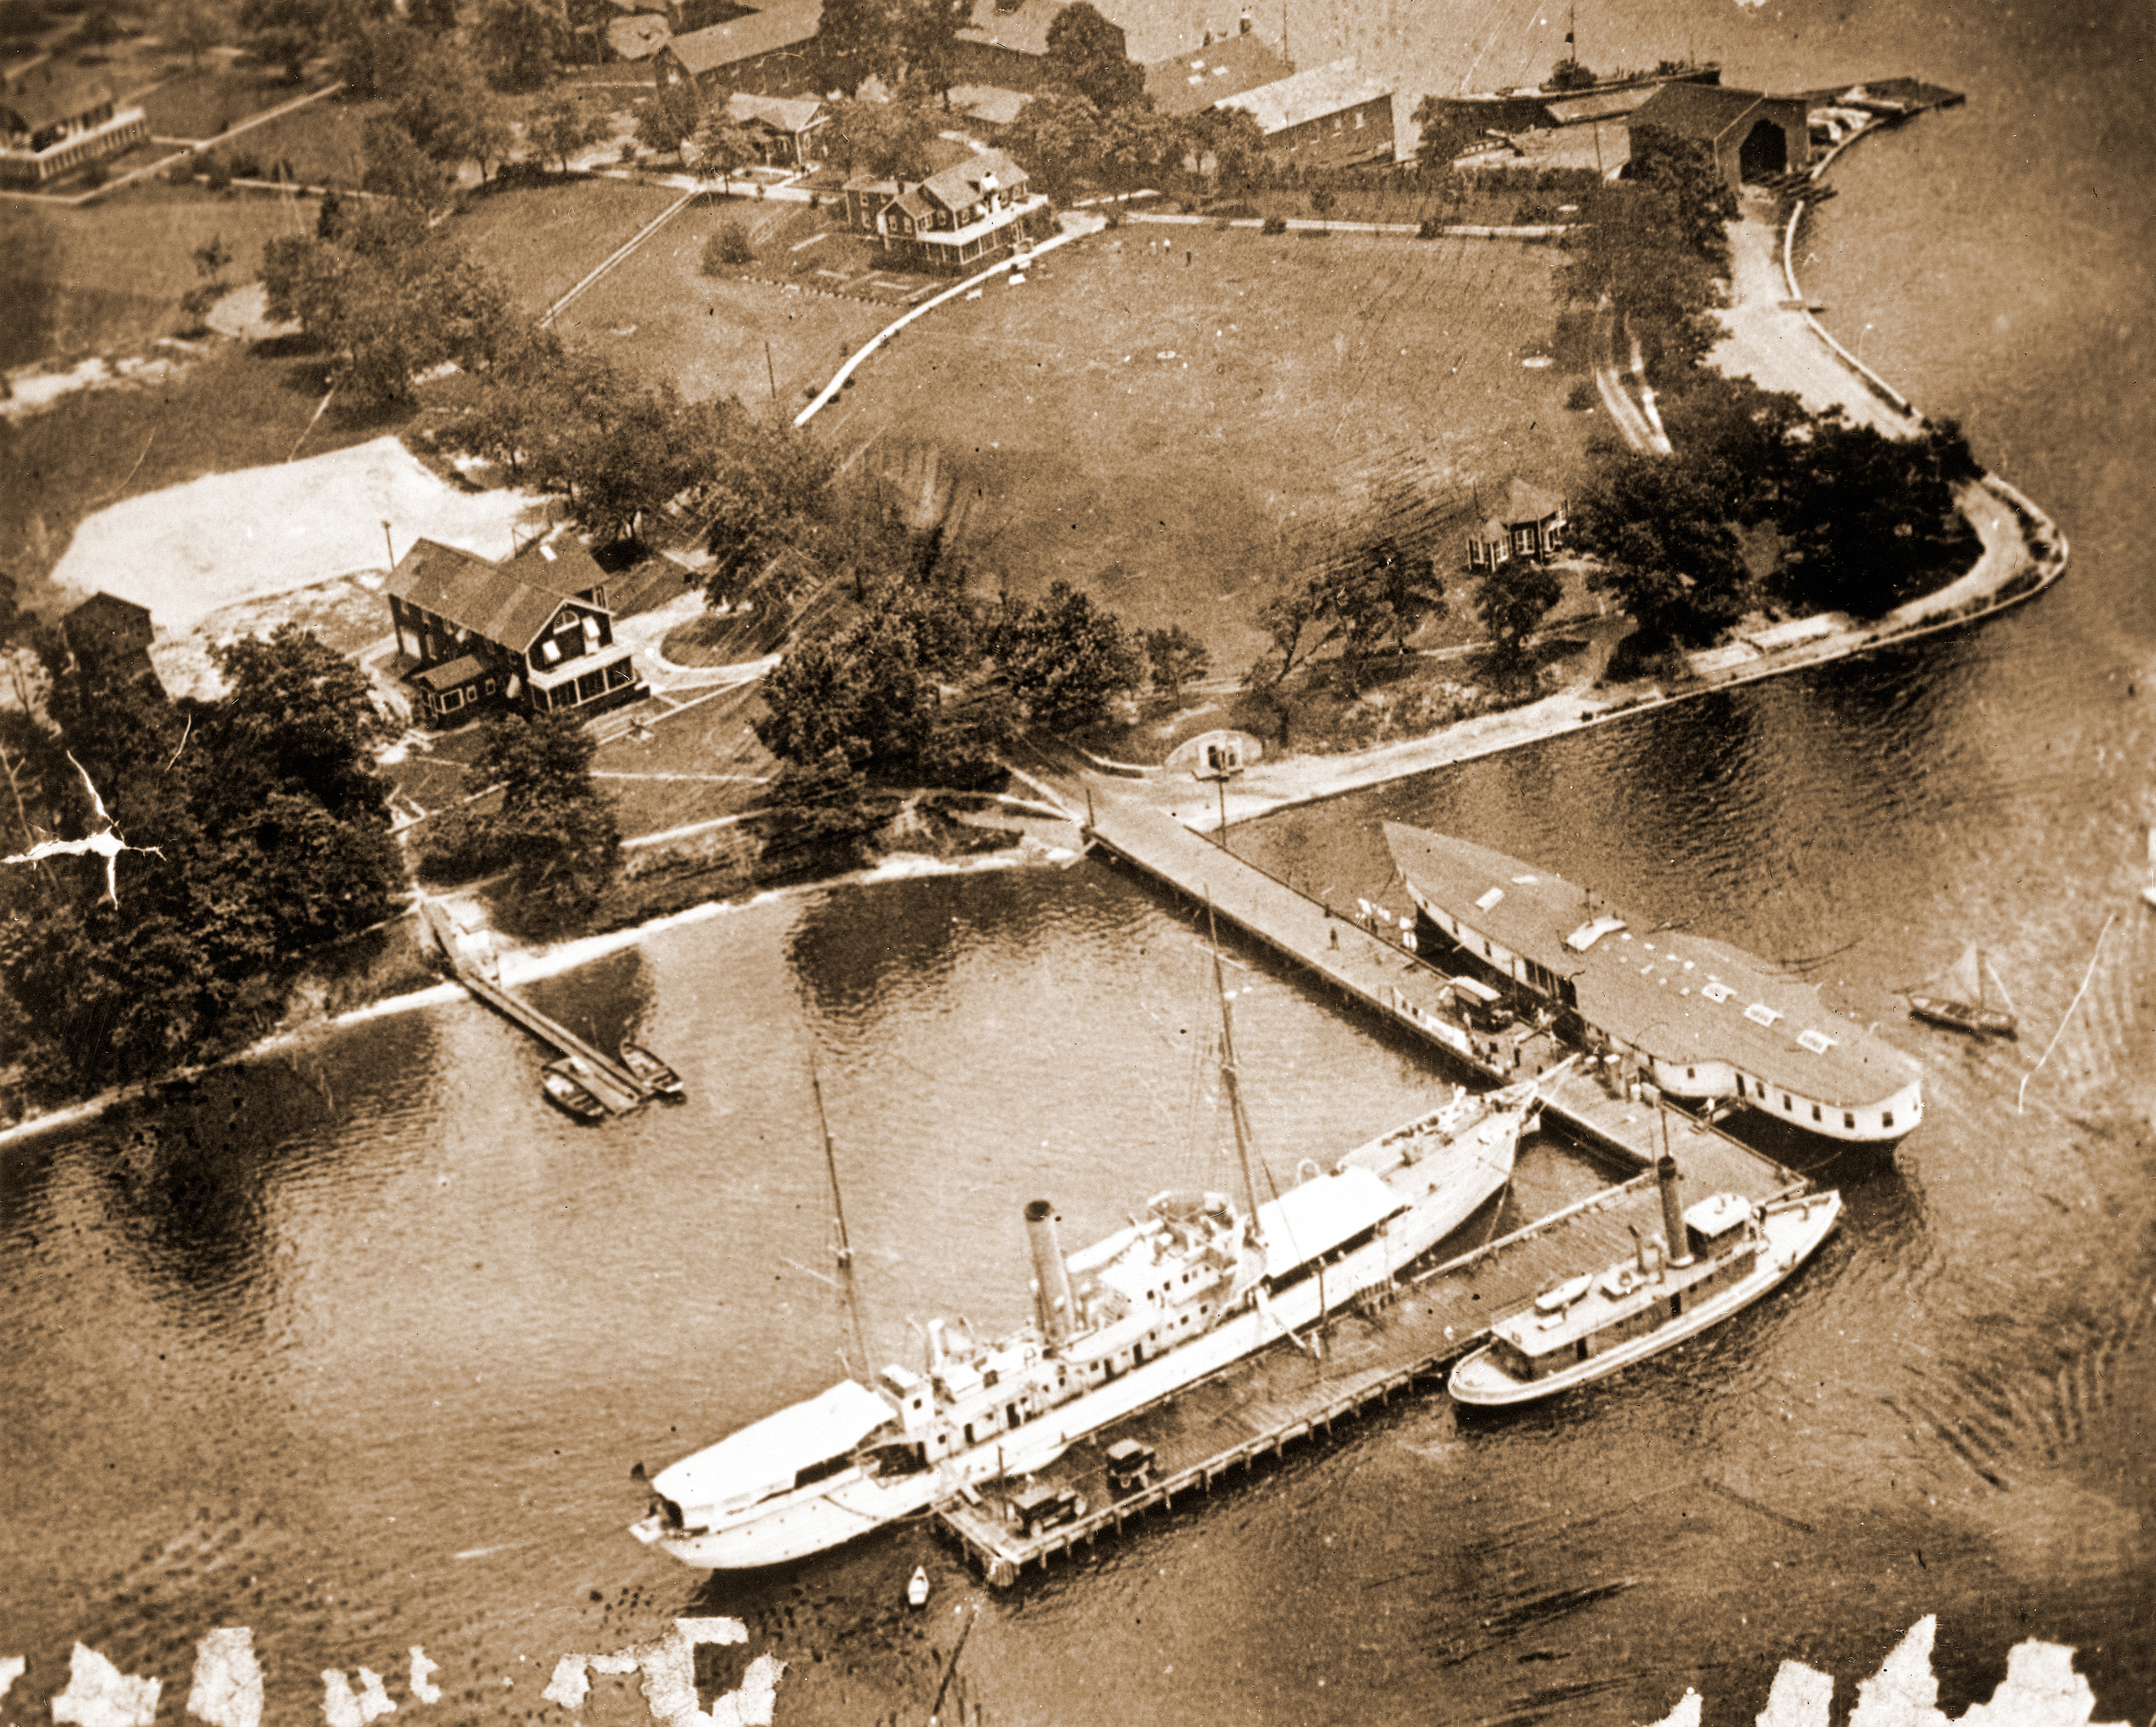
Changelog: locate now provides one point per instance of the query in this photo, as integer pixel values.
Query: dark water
(357, 1347)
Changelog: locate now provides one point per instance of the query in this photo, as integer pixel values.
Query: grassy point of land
(1181, 437)
(202, 104)
(658, 314)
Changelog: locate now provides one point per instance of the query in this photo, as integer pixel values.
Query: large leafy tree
(1065, 659)
(1668, 553)
(886, 139)
(561, 128)
(1086, 53)
(856, 40)
(193, 27)
(554, 820)
(1227, 143)
(928, 35)
(1512, 600)
(1872, 524)
(521, 42)
(283, 33)
(1058, 137)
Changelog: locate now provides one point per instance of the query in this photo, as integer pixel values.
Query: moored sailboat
(1193, 1284)
(1959, 999)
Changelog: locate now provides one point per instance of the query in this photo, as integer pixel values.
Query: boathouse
(1703, 1019)
(535, 634)
(1753, 137)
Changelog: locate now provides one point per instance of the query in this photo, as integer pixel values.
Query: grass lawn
(543, 240)
(697, 763)
(658, 313)
(1181, 438)
(236, 409)
(321, 145)
(107, 277)
(1466, 199)
(201, 105)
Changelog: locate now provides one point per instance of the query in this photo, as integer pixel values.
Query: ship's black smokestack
(1052, 1278)
(1673, 1223)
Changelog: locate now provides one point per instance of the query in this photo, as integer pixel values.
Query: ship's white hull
(823, 1515)
(1792, 1231)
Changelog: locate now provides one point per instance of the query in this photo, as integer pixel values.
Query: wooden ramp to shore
(1374, 968)
(1297, 1388)
(601, 1075)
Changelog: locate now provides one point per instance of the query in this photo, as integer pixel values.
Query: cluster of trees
(257, 831)
(1383, 590)
(913, 44)
(552, 825)
(375, 46)
(1767, 503)
(1065, 136)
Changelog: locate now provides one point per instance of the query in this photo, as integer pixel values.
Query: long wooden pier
(1299, 1387)
(1376, 970)
(1387, 1341)
(601, 1075)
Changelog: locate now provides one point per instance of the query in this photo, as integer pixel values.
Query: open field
(201, 105)
(543, 240)
(1466, 199)
(238, 408)
(1179, 437)
(319, 145)
(658, 313)
(107, 278)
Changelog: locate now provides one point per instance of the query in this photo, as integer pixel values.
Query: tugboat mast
(845, 1252)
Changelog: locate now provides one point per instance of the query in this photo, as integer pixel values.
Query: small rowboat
(651, 1073)
(916, 1588)
(567, 1092)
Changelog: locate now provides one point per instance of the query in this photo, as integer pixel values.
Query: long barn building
(1705, 1020)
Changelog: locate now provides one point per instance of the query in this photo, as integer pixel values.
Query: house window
(1888, 1119)
(1849, 1120)
(1815, 1112)
(1786, 1104)
(591, 686)
(451, 700)
(1335, 122)
(1358, 120)
(490, 686)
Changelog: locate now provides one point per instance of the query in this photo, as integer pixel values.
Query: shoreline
(2037, 559)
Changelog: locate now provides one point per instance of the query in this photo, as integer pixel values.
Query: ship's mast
(846, 1248)
(1228, 1080)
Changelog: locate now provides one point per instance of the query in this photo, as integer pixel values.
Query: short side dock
(1298, 1387)
(1385, 976)
(603, 1077)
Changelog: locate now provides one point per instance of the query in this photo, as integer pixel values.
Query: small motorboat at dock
(1589, 1326)
(564, 1084)
(659, 1079)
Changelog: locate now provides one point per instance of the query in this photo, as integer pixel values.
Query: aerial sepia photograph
(1051, 863)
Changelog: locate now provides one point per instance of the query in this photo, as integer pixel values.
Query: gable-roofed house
(1753, 136)
(535, 633)
(54, 119)
(1325, 117)
(1192, 82)
(765, 52)
(784, 129)
(1004, 42)
(965, 214)
(1530, 523)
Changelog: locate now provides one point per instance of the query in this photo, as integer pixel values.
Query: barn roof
(1307, 95)
(1197, 79)
(787, 24)
(963, 184)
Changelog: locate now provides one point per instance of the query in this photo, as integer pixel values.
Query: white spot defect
(98, 1695)
(227, 1684)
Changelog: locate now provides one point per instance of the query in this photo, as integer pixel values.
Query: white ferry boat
(1588, 1327)
(1195, 1284)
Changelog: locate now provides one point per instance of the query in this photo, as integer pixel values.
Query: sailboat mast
(1228, 1079)
(845, 1250)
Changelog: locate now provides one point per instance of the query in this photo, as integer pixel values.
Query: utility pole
(770, 372)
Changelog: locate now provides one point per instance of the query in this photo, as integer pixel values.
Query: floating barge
(1362, 1356)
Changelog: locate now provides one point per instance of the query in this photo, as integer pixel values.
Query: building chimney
(1051, 1278)
(1673, 1223)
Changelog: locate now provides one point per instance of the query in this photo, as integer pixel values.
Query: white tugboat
(1585, 1328)
(1195, 1284)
